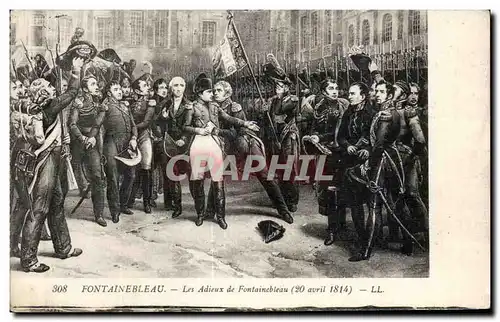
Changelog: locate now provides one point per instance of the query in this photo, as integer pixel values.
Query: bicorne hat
(202, 83)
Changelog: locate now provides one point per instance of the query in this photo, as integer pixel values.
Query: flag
(228, 56)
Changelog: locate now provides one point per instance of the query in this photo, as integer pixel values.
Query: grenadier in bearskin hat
(244, 142)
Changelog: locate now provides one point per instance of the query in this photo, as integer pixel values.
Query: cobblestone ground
(155, 245)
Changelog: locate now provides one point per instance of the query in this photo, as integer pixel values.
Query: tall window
(414, 22)
(400, 24)
(37, 30)
(104, 32)
(387, 27)
(328, 27)
(161, 28)
(65, 27)
(350, 39)
(303, 31)
(136, 27)
(281, 42)
(365, 32)
(208, 34)
(314, 25)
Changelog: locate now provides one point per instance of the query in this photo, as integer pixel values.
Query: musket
(28, 57)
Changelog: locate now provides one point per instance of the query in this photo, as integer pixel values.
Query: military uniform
(142, 110)
(157, 138)
(83, 123)
(385, 172)
(44, 187)
(209, 146)
(119, 129)
(354, 130)
(172, 123)
(243, 142)
(282, 111)
(411, 145)
(326, 121)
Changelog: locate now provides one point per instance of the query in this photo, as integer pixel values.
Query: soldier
(283, 135)
(243, 142)
(120, 133)
(126, 89)
(170, 124)
(160, 89)
(40, 190)
(328, 111)
(385, 173)
(206, 150)
(85, 128)
(413, 150)
(143, 109)
(353, 139)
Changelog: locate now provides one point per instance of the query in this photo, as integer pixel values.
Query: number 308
(59, 289)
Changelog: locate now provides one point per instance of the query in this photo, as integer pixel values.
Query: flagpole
(244, 52)
(231, 22)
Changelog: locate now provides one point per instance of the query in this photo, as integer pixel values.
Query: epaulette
(152, 102)
(235, 107)
(410, 112)
(385, 116)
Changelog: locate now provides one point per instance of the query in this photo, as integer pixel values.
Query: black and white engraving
(205, 144)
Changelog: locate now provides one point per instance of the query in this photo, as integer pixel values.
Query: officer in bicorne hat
(206, 150)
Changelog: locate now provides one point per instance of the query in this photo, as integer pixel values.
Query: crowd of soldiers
(118, 134)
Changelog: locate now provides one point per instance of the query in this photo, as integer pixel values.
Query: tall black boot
(197, 189)
(332, 228)
(176, 194)
(220, 203)
(372, 230)
(342, 214)
(147, 189)
(210, 210)
(167, 193)
(274, 193)
(358, 219)
(135, 187)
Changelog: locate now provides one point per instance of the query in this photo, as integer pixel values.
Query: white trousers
(206, 155)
